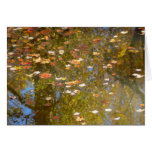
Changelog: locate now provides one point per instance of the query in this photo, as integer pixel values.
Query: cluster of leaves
(80, 75)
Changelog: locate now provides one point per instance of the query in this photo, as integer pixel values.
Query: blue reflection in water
(23, 114)
(57, 95)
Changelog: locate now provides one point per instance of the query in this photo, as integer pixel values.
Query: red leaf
(55, 117)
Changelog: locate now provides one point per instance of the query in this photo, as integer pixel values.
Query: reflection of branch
(11, 89)
(132, 85)
(18, 95)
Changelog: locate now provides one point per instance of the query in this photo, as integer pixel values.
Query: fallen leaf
(118, 118)
(82, 85)
(60, 47)
(95, 111)
(48, 98)
(56, 117)
(124, 32)
(108, 110)
(141, 105)
(46, 32)
(133, 51)
(113, 74)
(76, 114)
(45, 75)
(96, 95)
(140, 110)
(96, 40)
(112, 40)
(96, 53)
(26, 67)
(61, 52)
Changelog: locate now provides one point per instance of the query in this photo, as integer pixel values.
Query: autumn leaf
(59, 84)
(60, 47)
(75, 62)
(69, 33)
(133, 51)
(96, 53)
(46, 32)
(113, 74)
(112, 40)
(56, 117)
(105, 101)
(141, 105)
(26, 67)
(45, 75)
(53, 63)
(96, 95)
(96, 40)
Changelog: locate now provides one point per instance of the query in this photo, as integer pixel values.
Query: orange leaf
(96, 40)
(45, 75)
(26, 67)
(67, 68)
(141, 105)
(60, 47)
(45, 32)
(113, 74)
(53, 63)
(96, 95)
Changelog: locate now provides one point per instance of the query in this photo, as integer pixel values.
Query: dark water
(75, 76)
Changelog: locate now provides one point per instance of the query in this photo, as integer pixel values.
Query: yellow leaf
(112, 40)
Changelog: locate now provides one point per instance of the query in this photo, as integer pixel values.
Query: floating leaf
(45, 61)
(61, 52)
(140, 110)
(118, 118)
(104, 101)
(67, 91)
(56, 117)
(45, 75)
(95, 111)
(96, 53)
(137, 75)
(46, 32)
(133, 51)
(76, 114)
(75, 62)
(141, 105)
(48, 98)
(112, 40)
(124, 32)
(109, 66)
(59, 84)
(82, 85)
(113, 74)
(26, 67)
(96, 95)
(113, 61)
(96, 40)
(60, 47)
(36, 72)
(138, 70)
(108, 110)
(111, 93)
(51, 52)
(80, 118)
